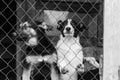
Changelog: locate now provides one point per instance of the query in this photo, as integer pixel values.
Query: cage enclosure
(89, 12)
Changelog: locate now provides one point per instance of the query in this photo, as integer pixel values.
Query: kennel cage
(13, 12)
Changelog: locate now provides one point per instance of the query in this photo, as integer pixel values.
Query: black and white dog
(69, 49)
(40, 52)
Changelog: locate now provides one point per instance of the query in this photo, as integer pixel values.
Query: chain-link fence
(13, 12)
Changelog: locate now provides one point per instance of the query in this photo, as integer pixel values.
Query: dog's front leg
(28, 64)
(80, 68)
(26, 74)
(54, 73)
(71, 74)
(50, 58)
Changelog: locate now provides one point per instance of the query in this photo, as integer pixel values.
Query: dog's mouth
(68, 32)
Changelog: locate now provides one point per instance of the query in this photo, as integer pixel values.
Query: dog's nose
(68, 28)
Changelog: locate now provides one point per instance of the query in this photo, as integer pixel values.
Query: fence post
(19, 44)
(101, 67)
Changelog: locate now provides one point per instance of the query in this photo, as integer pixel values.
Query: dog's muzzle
(68, 30)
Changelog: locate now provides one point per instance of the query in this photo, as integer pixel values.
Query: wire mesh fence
(13, 12)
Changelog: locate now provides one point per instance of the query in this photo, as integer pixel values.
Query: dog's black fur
(44, 47)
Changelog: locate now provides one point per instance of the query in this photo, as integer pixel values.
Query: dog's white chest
(65, 48)
(69, 54)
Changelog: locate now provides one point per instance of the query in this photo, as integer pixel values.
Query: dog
(40, 52)
(69, 49)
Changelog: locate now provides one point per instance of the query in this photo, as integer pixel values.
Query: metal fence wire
(13, 12)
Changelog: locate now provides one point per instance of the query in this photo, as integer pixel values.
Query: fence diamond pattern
(13, 12)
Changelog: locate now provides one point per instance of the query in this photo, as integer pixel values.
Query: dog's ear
(59, 24)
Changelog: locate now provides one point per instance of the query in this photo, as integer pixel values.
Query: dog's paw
(80, 68)
(92, 61)
(50, 58)
(64, 71)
